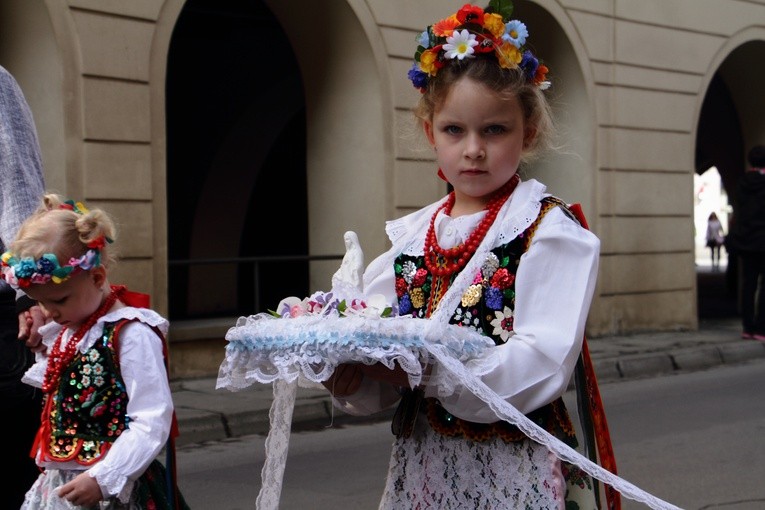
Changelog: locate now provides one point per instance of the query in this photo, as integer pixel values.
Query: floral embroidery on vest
(89, 408)
(487, 306)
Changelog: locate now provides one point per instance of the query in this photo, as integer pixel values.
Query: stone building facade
(184, 117)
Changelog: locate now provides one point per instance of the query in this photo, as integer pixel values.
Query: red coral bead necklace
(444, 262)
(59, 358)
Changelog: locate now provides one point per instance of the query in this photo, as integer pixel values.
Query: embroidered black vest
(486, 306)
(89, 408)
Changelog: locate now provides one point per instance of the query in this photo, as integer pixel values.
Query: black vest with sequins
(486, 306)
(88, 411)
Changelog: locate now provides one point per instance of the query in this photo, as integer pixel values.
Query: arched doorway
(236, 139)
(730, 122)
(569, 173)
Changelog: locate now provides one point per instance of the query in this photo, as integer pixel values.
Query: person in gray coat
(21, 189)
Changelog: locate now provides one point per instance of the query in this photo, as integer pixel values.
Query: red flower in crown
(470, 14)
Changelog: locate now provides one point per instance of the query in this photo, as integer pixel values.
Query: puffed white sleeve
(150, 409)
(554, 285)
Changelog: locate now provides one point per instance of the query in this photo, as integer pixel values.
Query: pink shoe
(761, 338)
(747, 336)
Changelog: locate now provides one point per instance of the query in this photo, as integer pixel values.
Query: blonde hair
(507, 84)
(56, 228)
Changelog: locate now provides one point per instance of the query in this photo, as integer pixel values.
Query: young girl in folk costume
(497, 254)
(108, 409)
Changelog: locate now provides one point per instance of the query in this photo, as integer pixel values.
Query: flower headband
(475, 31)
(25, 271)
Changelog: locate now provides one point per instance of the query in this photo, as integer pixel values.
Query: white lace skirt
(429, 470)
(43, 496)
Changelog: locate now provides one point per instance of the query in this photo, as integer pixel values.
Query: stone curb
(205, 414)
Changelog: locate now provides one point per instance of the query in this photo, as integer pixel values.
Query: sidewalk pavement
(206, 414)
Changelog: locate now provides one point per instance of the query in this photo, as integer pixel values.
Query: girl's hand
(29, 322)
(82, 491)
(345, 380)
(379, 372)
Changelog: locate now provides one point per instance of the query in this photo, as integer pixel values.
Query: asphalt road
(691, 439)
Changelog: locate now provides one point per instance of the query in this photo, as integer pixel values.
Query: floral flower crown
(473, 31)
(25, 271)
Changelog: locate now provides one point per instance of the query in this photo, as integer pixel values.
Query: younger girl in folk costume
(108, 409)
(498, 255)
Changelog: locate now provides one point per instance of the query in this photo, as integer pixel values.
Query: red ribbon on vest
(597, 412)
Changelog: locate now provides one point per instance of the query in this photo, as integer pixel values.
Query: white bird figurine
(348, 282)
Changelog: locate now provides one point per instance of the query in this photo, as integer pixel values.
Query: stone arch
(347, 128)
(38, 46)
(349, 118)
(571, 171)
(729, 119)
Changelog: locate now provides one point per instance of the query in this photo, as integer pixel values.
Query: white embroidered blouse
(150, 405)
(554, 286)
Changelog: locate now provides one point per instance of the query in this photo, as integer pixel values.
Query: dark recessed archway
(731, 119)
(235, 146)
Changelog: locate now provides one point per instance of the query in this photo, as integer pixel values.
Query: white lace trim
(36, 373)
(277, 444)
(265, 349)
(285, 352)
(148, 316)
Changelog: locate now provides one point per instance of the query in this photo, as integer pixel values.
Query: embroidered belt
(553, 417)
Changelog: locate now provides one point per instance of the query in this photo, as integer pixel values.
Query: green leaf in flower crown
(502, 7)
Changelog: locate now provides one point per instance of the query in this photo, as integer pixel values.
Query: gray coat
(21, 178)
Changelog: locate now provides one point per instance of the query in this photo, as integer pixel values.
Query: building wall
(635, 74)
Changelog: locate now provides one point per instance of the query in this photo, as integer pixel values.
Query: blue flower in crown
(26, 267)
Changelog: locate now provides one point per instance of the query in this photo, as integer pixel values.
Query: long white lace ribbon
(507, 412)
(277, 445)
(285, 351)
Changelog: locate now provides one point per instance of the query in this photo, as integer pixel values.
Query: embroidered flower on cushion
(324, 304)
(503, 324)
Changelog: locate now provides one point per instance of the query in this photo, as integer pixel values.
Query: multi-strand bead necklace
(60, 358)
(445, 262)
